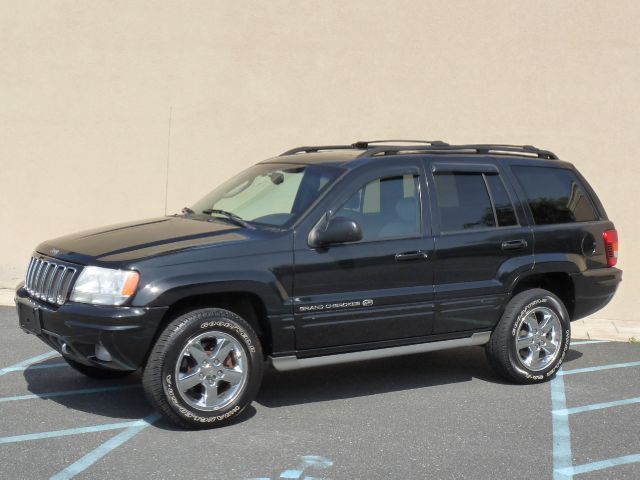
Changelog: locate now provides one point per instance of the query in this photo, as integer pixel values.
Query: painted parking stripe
(28, 362)
(111, 444)
(36, 367)
(601, 465)
(598, 368)
(588, 342)
(64, 393)
(597, 406)
(561, 432)
(72, 431)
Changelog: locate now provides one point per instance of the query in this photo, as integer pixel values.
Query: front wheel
(530, 341)
(204, 369)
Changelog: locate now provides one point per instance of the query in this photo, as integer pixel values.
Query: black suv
(330, 254)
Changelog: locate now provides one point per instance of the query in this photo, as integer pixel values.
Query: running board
(283, 364)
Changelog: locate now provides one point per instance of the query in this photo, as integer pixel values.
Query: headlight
(104, 286)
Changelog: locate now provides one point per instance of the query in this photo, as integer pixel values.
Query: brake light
(611, 246)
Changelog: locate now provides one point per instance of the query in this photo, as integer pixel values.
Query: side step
(283, 364)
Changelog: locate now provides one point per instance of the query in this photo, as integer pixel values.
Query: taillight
(611, 246)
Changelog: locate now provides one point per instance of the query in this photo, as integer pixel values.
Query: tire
(97, 372)
(537, 321)
(186, 381)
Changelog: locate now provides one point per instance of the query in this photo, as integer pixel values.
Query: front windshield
(271, 194)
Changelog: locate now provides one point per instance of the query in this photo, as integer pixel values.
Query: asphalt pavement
(440, 415)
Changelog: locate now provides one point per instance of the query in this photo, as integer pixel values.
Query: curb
(6, 297)
(604, 329)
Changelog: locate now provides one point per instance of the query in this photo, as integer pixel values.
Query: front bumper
(75, 329)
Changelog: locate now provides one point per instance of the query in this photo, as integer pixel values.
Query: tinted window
(463, 201)
(502, 202)
(554, 195)
(386, 208)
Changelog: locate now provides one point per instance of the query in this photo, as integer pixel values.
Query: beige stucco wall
(95, 97)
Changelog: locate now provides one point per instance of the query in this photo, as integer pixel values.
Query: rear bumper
(594, 289)
(74, 330)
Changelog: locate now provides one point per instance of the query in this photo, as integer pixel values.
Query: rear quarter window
(555, 195)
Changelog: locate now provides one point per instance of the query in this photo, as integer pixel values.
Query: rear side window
(555, 195)
(465, 201)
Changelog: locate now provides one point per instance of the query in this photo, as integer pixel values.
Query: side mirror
(336, 230)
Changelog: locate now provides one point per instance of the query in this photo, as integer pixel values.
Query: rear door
(481, 239)
(379, 289)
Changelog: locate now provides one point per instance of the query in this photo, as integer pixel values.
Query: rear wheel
(530, 341)
(205, 368)
(96, 372)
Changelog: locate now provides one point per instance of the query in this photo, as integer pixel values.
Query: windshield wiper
(231, 216)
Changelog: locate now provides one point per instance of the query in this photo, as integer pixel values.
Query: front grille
(49, 281)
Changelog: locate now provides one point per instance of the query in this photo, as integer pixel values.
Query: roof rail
(365, 143)
(478, 149)
(428, 146)
(359, 145)
(311, 149)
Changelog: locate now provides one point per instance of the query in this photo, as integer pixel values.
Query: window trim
(453, 167)
(491, 201)
(513, 204)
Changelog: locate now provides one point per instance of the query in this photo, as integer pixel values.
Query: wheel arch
(247, 303)
(559, 283)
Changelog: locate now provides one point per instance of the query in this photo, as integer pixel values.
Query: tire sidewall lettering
(233, 327)
(168, 380)
(551, 304)
(524, 312)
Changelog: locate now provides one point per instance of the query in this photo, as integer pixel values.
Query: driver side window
(386, 208)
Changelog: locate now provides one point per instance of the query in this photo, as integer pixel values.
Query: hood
(141, 239)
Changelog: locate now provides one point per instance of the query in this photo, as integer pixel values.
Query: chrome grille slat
(66, 285)
(36, 276)
(28, 276)
(49, 280)
(55, 271)
(56, 290)
(31, 273)
(36, 267)
(41, 279)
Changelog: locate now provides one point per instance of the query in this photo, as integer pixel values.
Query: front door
(376, 291)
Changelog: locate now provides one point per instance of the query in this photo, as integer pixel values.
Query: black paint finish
(400, 290)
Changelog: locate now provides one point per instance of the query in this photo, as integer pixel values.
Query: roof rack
(311, 149)
(365, 143)
(429, 146)
(359, 145)
(478, 149)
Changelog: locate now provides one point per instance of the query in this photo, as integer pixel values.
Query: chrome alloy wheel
(211, 371)
(539, 338)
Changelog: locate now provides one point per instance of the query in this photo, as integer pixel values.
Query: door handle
(514, 244)
(419, 255)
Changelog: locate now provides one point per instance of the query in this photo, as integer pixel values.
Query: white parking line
(28, 362)
(64, 393)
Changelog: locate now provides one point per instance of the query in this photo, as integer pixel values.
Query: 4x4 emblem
(54, 251)
(367, 303)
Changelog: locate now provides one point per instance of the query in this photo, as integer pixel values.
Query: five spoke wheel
(539, 338)
(211, 371)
